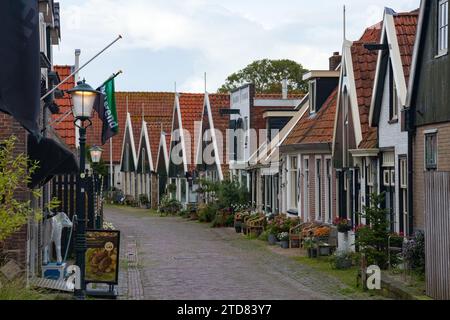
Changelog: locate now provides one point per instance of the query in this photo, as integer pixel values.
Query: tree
(373, 237)
(267, 76)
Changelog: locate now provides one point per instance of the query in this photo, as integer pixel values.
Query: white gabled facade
(128, 160)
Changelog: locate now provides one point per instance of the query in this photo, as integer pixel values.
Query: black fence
(65, 188)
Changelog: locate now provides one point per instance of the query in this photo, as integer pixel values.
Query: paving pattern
(176, 259)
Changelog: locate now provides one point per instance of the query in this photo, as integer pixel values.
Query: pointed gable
(187, 111)
(128, 158)
(216, 122)
(145, 156)
(364, 67)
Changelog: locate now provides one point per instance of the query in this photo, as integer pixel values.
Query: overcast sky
(168, 41)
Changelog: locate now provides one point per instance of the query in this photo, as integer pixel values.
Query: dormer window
(312, 96)
(443, 27)
(393, 104)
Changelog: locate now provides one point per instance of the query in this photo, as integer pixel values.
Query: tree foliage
(15, 173)
(373, 237)
(267, 76)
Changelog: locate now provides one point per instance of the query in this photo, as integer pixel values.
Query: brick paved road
(171, 258)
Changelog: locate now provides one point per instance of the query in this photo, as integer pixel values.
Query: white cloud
(224, 35)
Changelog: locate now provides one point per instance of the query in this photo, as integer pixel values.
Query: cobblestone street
(172, 258)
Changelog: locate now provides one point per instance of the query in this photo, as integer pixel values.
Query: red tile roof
(65, 129)
(364, 68)
(317, 128)
(191, 105)
(157, 108)
(406, 26)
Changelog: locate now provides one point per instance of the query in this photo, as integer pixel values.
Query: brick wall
(419, 166)
(15, 247)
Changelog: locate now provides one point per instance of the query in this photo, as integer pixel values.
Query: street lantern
(96, 154)
(83, 98)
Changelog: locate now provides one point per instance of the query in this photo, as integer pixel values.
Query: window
(306, 214)
(443, 27)
(404, 221)
(393, 105)
(312, 96)
(431, 151)
(319, 189)
(294, 182)
(329, 192)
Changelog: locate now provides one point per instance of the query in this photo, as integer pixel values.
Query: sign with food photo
(102, 257)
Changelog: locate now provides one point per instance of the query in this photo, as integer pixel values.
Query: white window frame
(306, 180)
(313, 95)
(426, 135)
(329, 189)
(293, 181)
(442, 27)
(318, 187)
(403, 173)
(395, 104)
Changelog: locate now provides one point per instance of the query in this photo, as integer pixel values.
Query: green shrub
(264, 236)
(15, 173)
(208, 213)
(169, 206)
(372, 239)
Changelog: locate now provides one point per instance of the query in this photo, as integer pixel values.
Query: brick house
(310, 191)
(25, 246)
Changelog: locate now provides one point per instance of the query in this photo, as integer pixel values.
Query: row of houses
(376, 121)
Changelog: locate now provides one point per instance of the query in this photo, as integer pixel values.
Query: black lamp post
(96, 157)
(83, 98)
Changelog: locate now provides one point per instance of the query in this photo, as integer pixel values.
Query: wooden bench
(256, 226)
(248, 220)
(295, 235)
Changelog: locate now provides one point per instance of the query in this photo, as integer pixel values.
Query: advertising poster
(102, 256)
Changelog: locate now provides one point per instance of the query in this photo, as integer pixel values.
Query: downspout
(411, 134)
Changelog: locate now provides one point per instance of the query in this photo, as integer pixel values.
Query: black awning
(54, 159)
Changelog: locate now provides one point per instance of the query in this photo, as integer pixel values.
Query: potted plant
(310, 247)
(273, 231)
(284, 240)
(144, 201)
(342, 261)
(343, 225)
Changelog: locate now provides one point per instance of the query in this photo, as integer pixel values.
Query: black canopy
(54, 159)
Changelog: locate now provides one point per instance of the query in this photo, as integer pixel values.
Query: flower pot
(324, 251)
(272, 239)
(312, 252)
(285, 244)
(343, 264)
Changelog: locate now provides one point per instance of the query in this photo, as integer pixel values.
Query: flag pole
(115, 75)
(111, 163)
(79, 69)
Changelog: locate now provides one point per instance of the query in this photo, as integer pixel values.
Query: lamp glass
(83, 104)
(96, 154)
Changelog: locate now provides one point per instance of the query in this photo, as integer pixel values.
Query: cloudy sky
(168, 41)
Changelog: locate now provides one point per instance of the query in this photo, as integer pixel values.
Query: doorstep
(393, 288)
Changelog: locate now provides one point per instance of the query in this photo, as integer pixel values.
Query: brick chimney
(335, 60)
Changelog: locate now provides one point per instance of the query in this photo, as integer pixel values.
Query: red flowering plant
(343, 225)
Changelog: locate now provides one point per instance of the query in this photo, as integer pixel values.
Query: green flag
(107, 112)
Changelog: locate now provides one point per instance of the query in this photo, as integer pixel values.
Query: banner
(102, 257)
(107, 112)
(20, 73)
